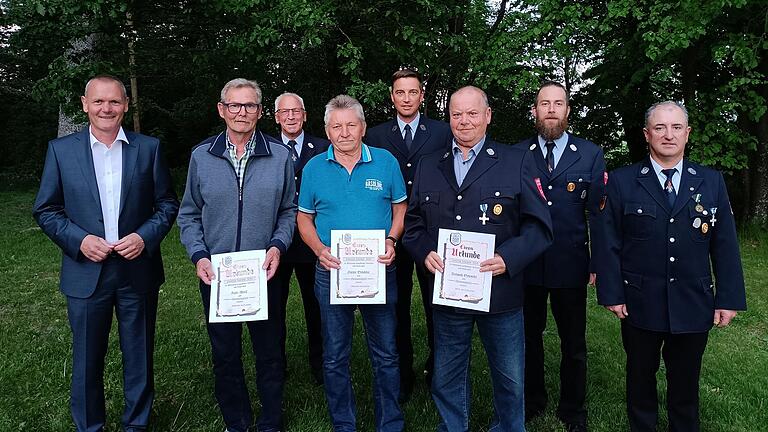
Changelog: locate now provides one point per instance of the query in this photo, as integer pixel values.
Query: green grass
(35, 354)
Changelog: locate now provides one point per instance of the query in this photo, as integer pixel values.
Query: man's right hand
(95, 248)
(327, 260)
(434, 263)
(205, 270)
(619, 310)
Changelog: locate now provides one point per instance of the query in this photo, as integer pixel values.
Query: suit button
(426, 199)
(459, 197)
(639, 211)
(458, 217)
(581, 180)
(671, 220)
(626, 282)
(549, 203)
(671, 259)
(671, 279)
(297, 193)
(410, 182)
(671, 239)
(549, 187)
(497, 193)
(296, 177)
(408, 164)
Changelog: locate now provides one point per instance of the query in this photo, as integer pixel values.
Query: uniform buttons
(549, 187)
(626, 282)
(410, 182)
(408, 164)
(581, 179)
(671, 279)
(639, 211)
(671, 239)
(297, 193)
(497, 193)
(296, 177)
(458, 217)
(426, 199)
(671, 259)
(671, 220)
(549, 203)
(459, 197)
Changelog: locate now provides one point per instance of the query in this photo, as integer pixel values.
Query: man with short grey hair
(291, 115)
(337, 194)
(239, 196)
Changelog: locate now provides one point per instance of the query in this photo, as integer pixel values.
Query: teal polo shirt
(356, 201)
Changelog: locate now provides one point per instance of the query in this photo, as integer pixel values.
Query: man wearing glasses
(239, 196)
(409, 136)
(291, 115)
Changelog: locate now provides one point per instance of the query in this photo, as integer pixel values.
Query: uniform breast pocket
(429, 202)
(700, 225)
(639, 219)
(577, 185)
(501, 202)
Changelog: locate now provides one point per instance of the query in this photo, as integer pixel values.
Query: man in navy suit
(572, 172)
(409, 137)
(106, 200)
(668, 224)
(290, 114)
(481, 186)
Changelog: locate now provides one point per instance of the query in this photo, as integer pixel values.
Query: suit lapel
(130, 154)
(538, 156)
(307, 152)
(568, 158)
(396, 139)
(446, 168)
(689, 184)
(85, 160)
(487, 158)
(420, 136)
(649, 181)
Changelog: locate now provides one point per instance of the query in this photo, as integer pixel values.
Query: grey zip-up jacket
(216, 217)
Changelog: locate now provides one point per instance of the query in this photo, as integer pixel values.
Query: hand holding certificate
(461, 284)
(239, 289)
(360, 278)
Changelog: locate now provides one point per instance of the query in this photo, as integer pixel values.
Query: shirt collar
(657, 168)
(120, 137)
(559, 142)
(248, 146)
(414, 123)
(299, 139)
(475, 150)
(365, 156)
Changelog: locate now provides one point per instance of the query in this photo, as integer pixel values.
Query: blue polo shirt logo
(373, 184)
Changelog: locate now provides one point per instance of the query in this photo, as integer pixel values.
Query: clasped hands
(97, 249)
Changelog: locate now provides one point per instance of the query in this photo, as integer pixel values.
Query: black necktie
(550, 156)
(294, 153)
(669, 187)
(408, 138)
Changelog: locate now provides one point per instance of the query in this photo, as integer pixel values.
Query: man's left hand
(271, 262)
(130, 246)
(389, 253)
(495, 265)
(723, 317)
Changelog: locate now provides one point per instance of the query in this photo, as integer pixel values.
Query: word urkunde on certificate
(462, 284)
(239, 291)
(361, 278)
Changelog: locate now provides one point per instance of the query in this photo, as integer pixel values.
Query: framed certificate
(361, 278)
(239, 291)
(461, 284)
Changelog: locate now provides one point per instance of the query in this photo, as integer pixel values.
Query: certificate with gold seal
(239, 291)
(361, 278)
(462, 284)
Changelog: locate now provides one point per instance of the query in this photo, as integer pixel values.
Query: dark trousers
(404, 266)
(682, 355)
(229, 379)
(569, 308)
(305, 275)
(90, 320)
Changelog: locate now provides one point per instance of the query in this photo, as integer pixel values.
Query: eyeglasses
(294, 111)
(234, 108)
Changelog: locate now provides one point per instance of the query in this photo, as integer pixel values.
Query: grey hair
(666, 103)
(279, 98)
(477, 89)
(342, 102)
(105, 77)
(239, 83)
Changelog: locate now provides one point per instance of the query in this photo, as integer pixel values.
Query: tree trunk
(132, 72)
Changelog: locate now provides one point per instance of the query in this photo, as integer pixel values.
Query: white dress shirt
(108, 167)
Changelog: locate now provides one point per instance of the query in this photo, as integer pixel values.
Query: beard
(551, 131)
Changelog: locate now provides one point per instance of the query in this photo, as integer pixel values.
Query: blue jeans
(503, 337)
(380, 322)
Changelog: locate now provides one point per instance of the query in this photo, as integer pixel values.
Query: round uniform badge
(704, 228)
(497, 209)
(697, 223)
(699, 208)
(571, 187)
